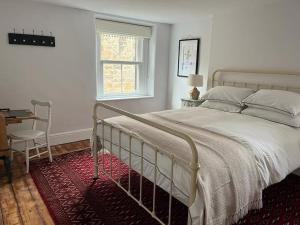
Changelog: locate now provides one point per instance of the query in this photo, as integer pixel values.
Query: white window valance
(123, 28)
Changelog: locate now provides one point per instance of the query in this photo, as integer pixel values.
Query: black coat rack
(31, 39)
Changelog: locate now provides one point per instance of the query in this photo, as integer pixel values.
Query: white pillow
(276, 100)
(231, 95)
(221, 106)
(274, 116)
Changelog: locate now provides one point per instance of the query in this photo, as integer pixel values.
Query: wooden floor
(20, 201)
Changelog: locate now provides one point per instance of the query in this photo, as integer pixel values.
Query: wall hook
(14, 39)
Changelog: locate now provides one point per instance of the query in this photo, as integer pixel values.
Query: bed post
(94, 147)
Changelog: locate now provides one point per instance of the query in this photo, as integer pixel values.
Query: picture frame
(188, 57)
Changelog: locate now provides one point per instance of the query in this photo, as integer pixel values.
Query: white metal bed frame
(193, 165)
(271, 80)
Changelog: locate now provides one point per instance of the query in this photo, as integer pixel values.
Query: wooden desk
(3, 136)
(4, 148)
(11, 117)
(17, 116)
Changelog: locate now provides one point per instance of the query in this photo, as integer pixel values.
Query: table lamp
(195, 80)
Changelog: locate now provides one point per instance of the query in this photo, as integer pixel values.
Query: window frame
(141, 71)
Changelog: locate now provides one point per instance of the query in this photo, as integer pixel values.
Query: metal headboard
(257, 80)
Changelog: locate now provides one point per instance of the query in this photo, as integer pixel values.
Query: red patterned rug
(73, 197)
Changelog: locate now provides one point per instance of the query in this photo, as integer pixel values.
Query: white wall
(177, 86)
(65, 74)
(264, 38)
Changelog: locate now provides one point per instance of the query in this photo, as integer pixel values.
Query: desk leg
(7, 164)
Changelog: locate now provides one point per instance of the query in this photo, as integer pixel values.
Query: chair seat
(26, 134)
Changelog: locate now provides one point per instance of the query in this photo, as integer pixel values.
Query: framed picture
(188, 57)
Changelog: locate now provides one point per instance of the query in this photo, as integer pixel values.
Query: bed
(216, 163)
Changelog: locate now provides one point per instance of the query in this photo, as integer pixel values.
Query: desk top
(16, 116)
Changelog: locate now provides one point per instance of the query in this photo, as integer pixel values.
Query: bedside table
(187, 102)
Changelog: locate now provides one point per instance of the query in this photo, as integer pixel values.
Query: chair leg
(27, 157)
(11, 151)
(91, 146)
(49, 149)
(37, 149)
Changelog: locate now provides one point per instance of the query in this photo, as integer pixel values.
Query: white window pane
(119, 78)
(112, 78)
(118, 47)
(129, 78)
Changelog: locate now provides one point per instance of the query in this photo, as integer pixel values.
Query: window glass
(118, 60)
(118, 47)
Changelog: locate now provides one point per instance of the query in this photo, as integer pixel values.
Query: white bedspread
(239, 156)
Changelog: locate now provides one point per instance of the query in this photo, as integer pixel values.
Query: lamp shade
(195, 80)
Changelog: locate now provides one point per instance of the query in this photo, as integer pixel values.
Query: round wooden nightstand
(187, 102)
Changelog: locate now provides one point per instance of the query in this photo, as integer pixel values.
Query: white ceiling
(166, 11)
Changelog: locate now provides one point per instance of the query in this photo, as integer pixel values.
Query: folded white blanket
(239, 156)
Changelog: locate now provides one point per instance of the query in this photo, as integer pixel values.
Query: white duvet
(239, 156)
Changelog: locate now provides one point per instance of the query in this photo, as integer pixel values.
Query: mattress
(239, 156)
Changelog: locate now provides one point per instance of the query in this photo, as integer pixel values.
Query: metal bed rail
(193, 165)
(218, 81)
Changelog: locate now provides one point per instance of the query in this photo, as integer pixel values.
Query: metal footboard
(192, 165)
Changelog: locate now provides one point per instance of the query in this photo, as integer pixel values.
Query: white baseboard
(61, 138)
(70, 136)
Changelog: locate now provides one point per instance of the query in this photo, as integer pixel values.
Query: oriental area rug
(73, 197)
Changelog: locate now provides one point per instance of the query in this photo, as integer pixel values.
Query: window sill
(120, 98)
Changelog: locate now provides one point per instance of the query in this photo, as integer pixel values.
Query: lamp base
(194, 94)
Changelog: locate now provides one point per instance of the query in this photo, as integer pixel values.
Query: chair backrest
(46, 120)
(3, 135)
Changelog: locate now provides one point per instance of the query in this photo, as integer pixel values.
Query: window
(123, 60)
(120, 63)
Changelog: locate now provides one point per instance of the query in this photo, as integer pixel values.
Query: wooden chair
(32, 135)
(4, 149)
